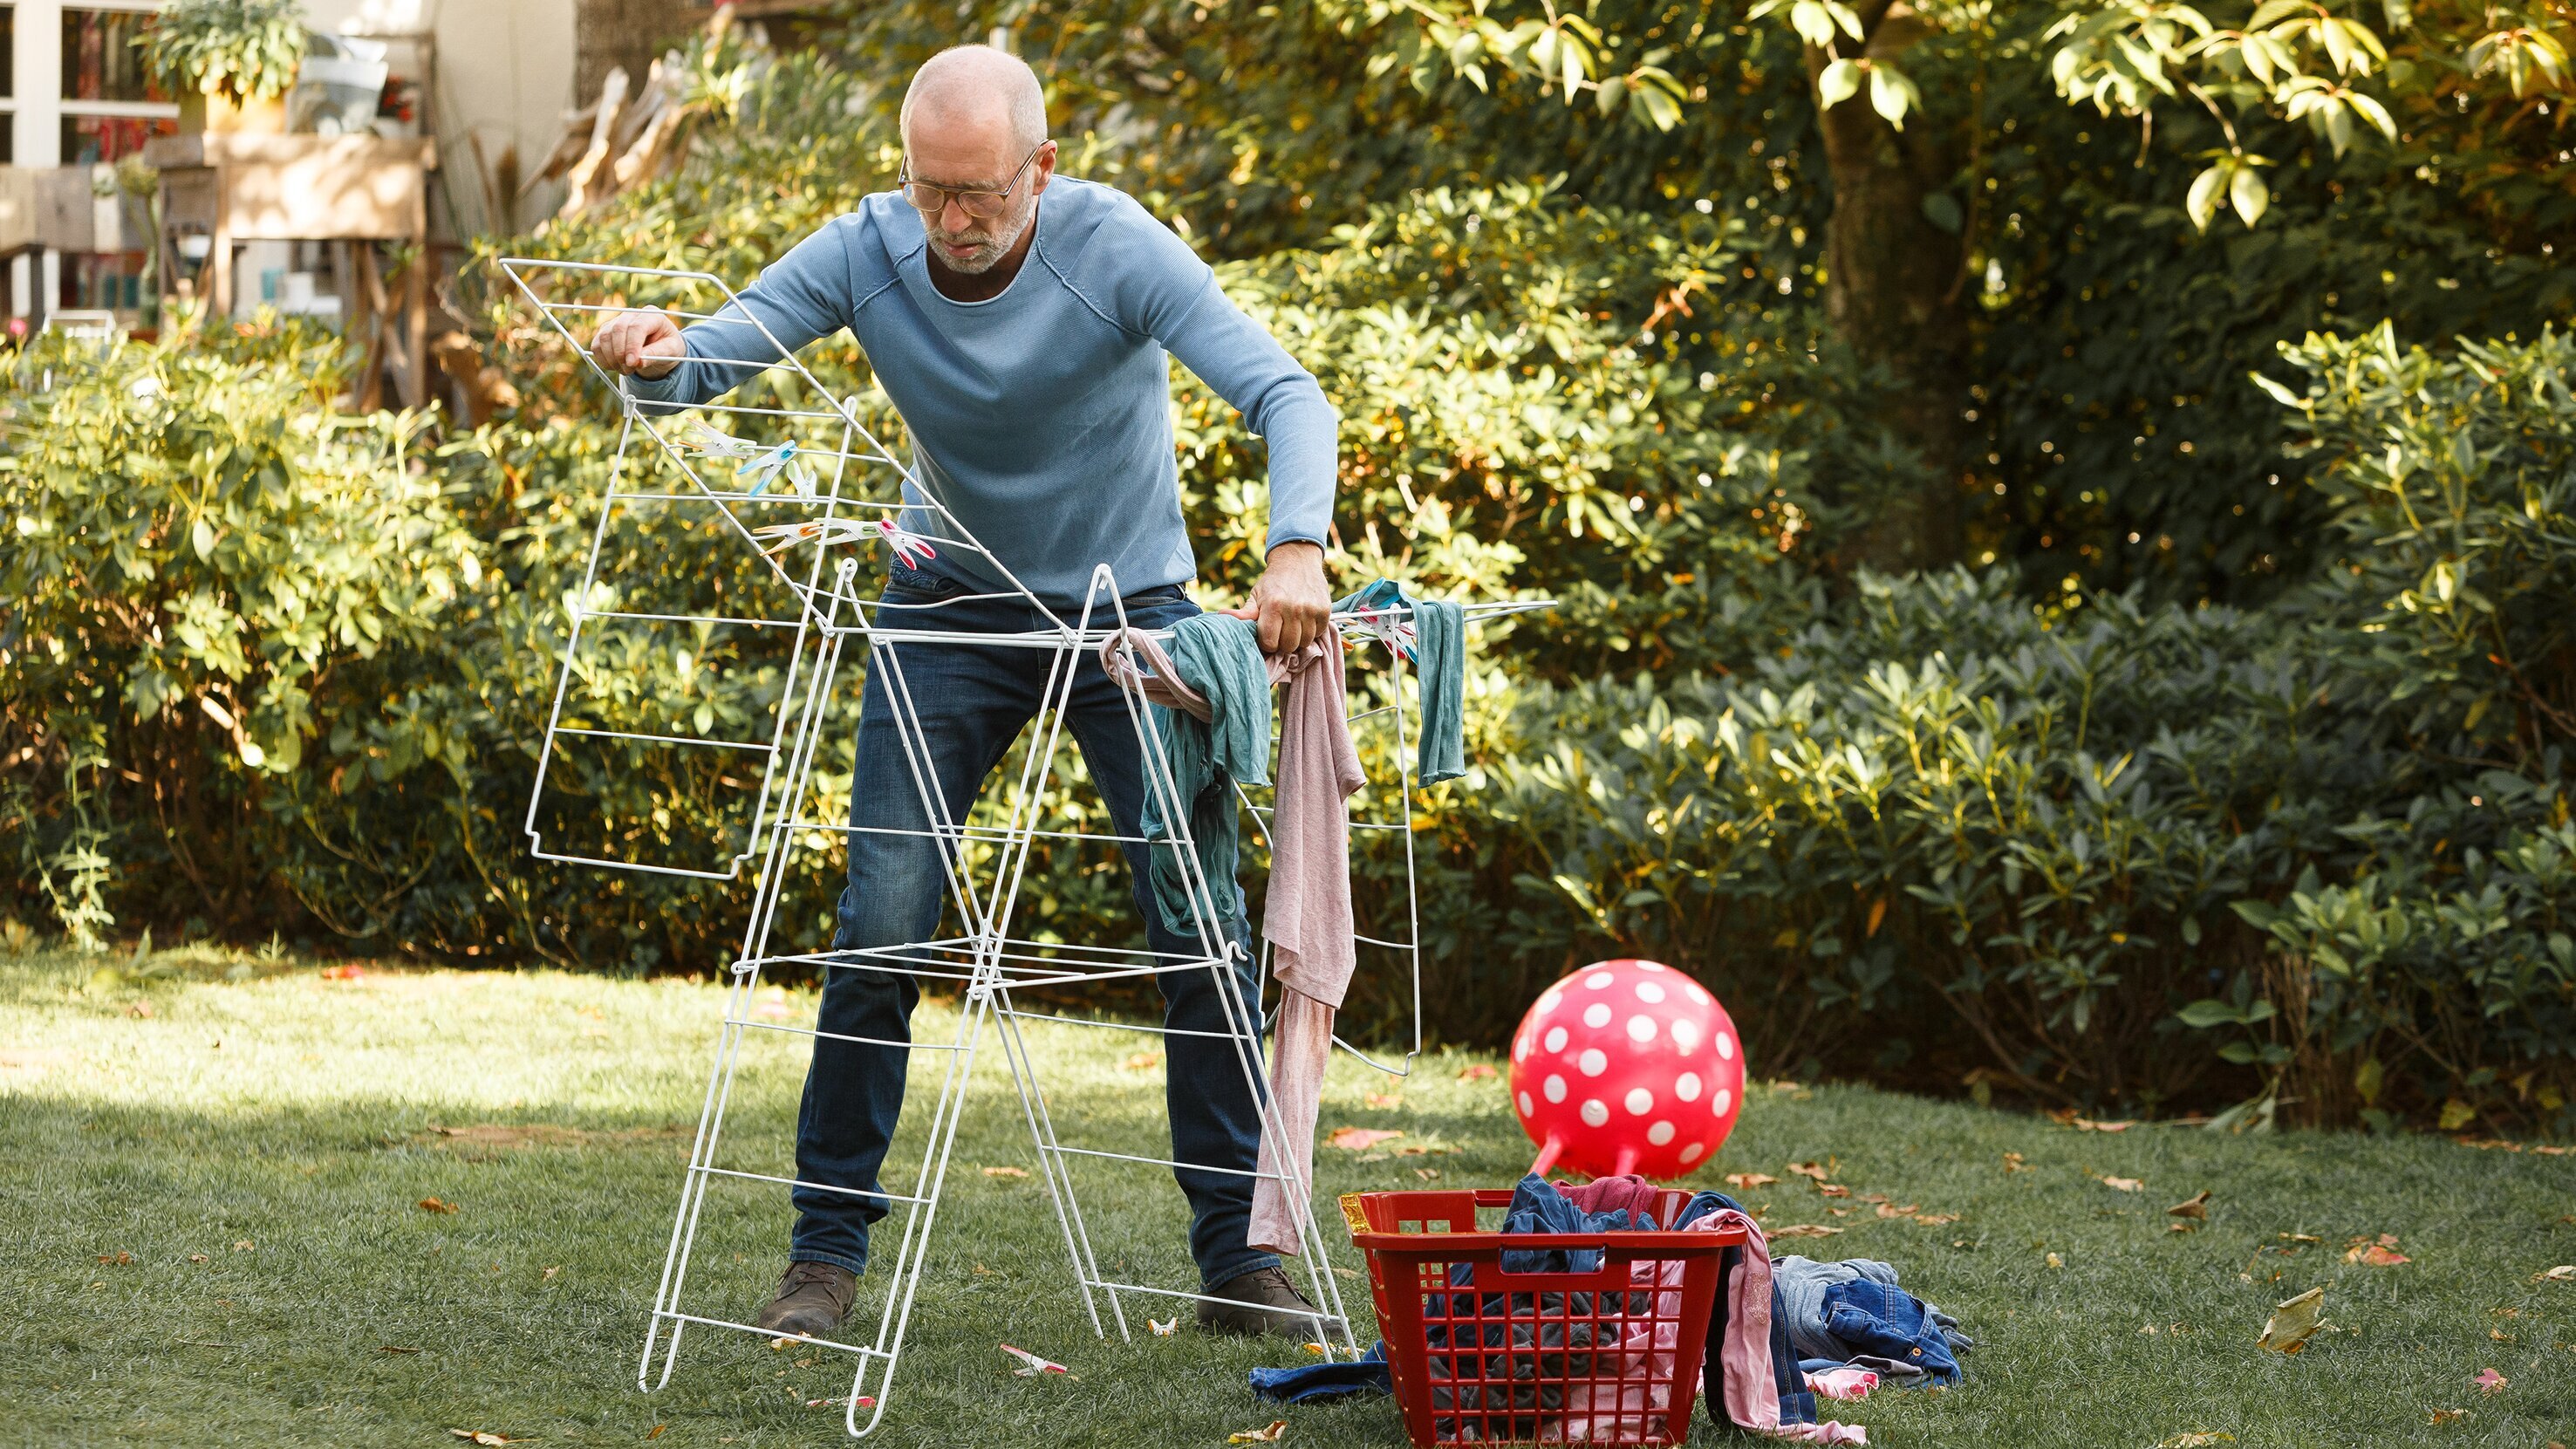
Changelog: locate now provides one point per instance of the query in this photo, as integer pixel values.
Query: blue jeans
(973, 702)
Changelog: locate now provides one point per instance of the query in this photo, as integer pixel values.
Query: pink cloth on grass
(1843, 1383)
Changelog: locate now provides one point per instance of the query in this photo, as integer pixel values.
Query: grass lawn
(210, 1234)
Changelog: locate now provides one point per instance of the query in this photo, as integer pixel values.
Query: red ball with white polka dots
(1627, 1066)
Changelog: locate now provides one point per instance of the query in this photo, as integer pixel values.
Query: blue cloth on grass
(1839, 1313)
(1885, 1321)
(1322, 1382)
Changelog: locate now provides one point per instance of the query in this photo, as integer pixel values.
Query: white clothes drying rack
(803, 602)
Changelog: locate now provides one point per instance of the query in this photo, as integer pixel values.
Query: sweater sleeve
(1175, 300)
(803, 295)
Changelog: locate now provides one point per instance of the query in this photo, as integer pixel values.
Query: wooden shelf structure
(355, 191)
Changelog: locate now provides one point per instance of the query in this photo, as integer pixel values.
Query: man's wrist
(1292, 547)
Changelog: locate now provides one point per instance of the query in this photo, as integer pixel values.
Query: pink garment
(1846, 1382)
(1744, 1359)
(1628, 1193)
(1308, 916)
(1308, 920)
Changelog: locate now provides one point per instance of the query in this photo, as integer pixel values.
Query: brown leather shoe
(1261, 1301)
(811, 1300)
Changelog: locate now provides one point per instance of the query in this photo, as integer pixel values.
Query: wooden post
(416, 324)
(368, 297)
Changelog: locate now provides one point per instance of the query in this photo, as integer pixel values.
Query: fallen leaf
(480, 1436)
(2055, 1261)
(2563, 1273)
(349, 973)
(2293, 1322)
(1427, 1174)
(1934, 1220)
(1840, 1212)
(1317, 1349)
(1260, 1436)
(1802, 1230)
(2182, 1227)
(2447, 1416)
(1891, 1210)
(2085, 1125)
(118, 1259)
(1876, 1197)
(2381, 1253)
(1385, 1099)
(394, 1348)
(1164, 1328)
(2490, 1381)
(1832, 1189)
(781, 1341)
(1006, 1172)
(434, 1205)
(2013, 1163)
(657, 1431)
(1820, 1171)
(140, 1008)
(550, 1273)
(200, 1257)
(1360, 1139)
(2196, 1207)
(245, 1246)
(1475, 1072)
(1750, 1179)
(1141, 1062)
(2123, 1184)
(2199, 1440)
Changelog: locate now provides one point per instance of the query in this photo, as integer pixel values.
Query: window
(8, 83)
(100, 62)
(88, 140)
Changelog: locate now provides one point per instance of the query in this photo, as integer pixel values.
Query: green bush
(2317, 856)
(207, 569)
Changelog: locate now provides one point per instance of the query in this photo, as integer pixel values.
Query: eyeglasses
(931, 200)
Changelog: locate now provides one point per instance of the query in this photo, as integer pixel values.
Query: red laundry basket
(1609, 1356)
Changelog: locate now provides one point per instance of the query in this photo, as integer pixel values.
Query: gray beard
(995, 247)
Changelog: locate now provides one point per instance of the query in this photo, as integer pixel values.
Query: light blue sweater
(1042, 418)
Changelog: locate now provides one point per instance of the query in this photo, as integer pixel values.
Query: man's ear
(1045, 168)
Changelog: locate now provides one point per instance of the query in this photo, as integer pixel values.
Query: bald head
(980, 91)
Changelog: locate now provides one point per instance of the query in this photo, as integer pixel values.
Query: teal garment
(1219, 657)
(1440, 659)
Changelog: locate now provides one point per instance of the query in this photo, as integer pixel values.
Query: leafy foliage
(242, 50)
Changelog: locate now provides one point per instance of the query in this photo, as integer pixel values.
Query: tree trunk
(1892, 292)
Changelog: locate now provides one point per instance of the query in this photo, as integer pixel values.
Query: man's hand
(1290, 603)
(644, 342)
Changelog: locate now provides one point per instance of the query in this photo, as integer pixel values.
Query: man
(1019, 320)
